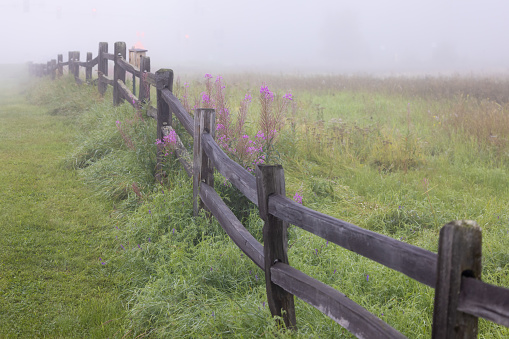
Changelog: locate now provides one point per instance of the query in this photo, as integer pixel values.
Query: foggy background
(298, 36)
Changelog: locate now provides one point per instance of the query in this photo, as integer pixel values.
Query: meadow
(399, 156)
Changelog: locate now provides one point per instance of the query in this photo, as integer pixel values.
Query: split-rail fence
(455, 272)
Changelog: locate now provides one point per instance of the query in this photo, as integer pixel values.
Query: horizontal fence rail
(460, 296)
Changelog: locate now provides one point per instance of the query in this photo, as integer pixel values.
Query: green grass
(52, 232)
(396, 156)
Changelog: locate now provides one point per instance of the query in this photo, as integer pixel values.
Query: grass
(52, 232)
(401, 157)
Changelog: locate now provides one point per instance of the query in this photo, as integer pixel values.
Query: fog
(298, 36)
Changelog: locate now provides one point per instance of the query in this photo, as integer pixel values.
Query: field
(399, 156)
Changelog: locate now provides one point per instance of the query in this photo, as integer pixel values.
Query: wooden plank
(118, 72)
(176, 107)
(109, 56)
(127, 94)
(128, 67)
(102, 68)
(88, 70)
(164, 80)
(203, 168)
(151, 79)
(180, 150)
(270, 179)
(236, 174)
(94, 61)
(106, 80)
(415, 262)
(459, 254)
(60, 64)
(231, 225)
(64, 63)
(144, 84)
(334, 304)
(484, 300)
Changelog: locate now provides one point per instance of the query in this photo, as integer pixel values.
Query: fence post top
(463, 223)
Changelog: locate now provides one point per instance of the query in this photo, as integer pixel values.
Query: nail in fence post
(144, 95)
(118, 72)
(164, 79)
(203, 170)
(60, 59)
(102, 67)
(88, 71)
(270, 179)
(459, 254)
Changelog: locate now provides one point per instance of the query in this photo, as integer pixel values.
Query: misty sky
(276, 35)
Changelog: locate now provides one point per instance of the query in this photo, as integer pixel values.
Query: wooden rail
(460, 296)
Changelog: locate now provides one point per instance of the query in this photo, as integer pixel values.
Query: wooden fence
(455, 272)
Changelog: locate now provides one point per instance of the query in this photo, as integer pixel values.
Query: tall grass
(398, 156)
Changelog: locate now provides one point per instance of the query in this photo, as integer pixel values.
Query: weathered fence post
(203, 170)
(60, 59)
(164, 79)
(118, 72)
(88, 69)
(270, 179)
(53, 69)
(76, 67)
(459, 254)
(48, 68)
(102, 67)
(144, 93)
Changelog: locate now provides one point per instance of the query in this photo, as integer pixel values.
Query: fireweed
(247, 150)
(168, 144)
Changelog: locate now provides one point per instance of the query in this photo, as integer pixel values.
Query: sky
(298, 36)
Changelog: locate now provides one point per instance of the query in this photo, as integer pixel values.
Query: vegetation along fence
(455, 272)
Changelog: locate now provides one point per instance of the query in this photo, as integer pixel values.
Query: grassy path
(52, 232)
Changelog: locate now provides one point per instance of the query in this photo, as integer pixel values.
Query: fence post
(270, 179)
(88, 71)
(60, 59)
(459, 254)
(203, 170)
(102, 67)
(144, 94)
(53, 69)
(118, 72)
(164, 79)
(48, 68)
(76, 69)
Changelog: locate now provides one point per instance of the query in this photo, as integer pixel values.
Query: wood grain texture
(176, 107)
(484, 300)
(118, 72)
(109, 56)
(270, 179)
(415, 262)
(126, 66)
(332, 303)
(144, 84)
(231, 225)
(236, 174)
(128, 95)
(164, 80)
(459, 254)
(203, 168)
(106, 80)
(102, 68)
(88, 70)
(151, 79)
